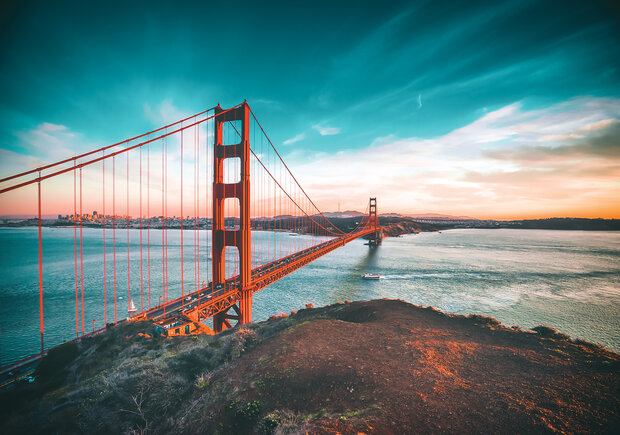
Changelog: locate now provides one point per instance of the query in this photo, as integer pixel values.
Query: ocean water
(569, 280)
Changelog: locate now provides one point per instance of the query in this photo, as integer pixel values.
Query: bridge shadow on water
(351, 286)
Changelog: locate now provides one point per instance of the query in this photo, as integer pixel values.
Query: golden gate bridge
(215, 170)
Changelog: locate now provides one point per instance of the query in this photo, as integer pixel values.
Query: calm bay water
(569, 280)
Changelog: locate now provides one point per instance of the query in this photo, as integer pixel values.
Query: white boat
(371, 276)
(132, 308)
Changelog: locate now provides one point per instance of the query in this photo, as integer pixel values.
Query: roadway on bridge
(208, 293)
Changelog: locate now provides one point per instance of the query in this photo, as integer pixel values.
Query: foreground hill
(381, 366)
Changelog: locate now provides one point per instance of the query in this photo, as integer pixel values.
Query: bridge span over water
(218, 178)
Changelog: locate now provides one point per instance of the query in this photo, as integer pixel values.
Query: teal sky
(327, 79)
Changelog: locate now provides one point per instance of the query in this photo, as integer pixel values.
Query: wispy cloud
(294, 139)
(590, 141)
(164, 113)
(267, 102)
(48, 142)
(496, 166)
(326, 131)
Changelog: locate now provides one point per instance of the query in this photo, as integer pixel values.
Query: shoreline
(391, 225)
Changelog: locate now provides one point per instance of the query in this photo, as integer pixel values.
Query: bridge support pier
(241, 312)
(221, 319)
(239, 238)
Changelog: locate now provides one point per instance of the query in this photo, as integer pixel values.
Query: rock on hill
(380, 366)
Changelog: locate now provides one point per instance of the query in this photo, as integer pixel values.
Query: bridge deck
(209, 300)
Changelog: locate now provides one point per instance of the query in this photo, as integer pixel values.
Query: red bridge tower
(241, 237)
(375, 237)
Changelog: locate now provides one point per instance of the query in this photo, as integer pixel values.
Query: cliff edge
(382, 366)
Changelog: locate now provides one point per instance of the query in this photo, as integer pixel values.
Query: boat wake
(419, 276)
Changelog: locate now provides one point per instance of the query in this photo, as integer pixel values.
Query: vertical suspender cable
(148, 217)
(40, 268)
(127, 224)
(166, 214)
(105, 298)
(81, 253)
(280, 212)
(194, 207)
(163, 223)
(141, 262)
(114, 229)
(182, 248)
(197, 213)
(263, 183)
(276, 199)
(77, 315)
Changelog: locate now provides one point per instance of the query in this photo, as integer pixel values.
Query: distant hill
(343, 214)
(566, 224)
(354, 213)
(442, 216)
(28, 216)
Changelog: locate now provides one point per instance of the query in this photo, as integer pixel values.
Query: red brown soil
(389, 367)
